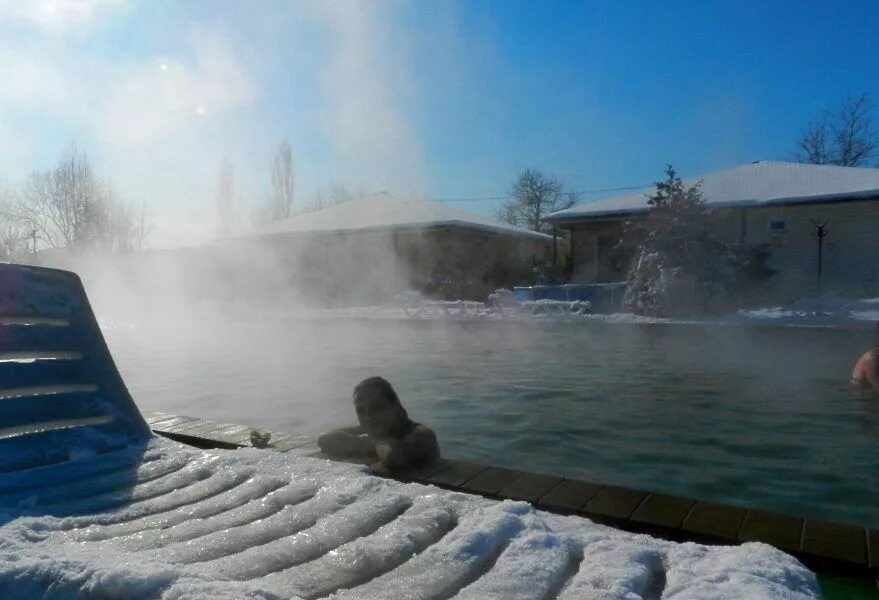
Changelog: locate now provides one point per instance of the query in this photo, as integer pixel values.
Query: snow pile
(172, 522)
(831, 309)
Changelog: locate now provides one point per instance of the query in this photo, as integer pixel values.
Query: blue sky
(446, 99)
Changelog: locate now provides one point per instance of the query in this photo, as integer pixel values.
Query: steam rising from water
(332, 77)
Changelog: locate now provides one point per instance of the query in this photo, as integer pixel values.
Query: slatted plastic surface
(60, 392)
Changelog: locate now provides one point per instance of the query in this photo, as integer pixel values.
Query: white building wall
(850, 262)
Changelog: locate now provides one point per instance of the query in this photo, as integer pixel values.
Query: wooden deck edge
(820, 544)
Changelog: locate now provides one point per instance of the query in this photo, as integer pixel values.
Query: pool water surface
(762, 418)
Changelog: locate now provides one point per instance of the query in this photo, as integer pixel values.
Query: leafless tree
(283, 182)
(14, 233)
(143, 227)
(532, 197)
(68, 207)
(334, 194)
(226, 196)
(57, 203)
(845, 137)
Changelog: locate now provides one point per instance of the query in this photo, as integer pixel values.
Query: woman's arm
(419, 445)
(346, 442)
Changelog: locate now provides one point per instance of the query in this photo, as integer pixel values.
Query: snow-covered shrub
(683, 261)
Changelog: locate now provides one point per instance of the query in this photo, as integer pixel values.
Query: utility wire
(576, 193)
(581, 192)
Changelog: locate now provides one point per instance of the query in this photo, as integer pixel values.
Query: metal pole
(821, 233)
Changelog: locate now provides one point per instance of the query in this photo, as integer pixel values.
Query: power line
(576, 193)
(582, 192)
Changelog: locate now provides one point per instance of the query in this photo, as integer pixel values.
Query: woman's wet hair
(384, 387)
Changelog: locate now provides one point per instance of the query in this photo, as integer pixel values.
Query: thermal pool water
(763, 418)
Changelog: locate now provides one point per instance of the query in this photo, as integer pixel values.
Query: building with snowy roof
(778, 203)
(374, 247)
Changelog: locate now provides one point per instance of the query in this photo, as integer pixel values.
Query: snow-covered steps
(260, 524)
(818, 543)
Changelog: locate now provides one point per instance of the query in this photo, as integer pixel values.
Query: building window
(778, 225)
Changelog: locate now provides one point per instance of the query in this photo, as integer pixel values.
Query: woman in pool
(385, 430)
(866, 371)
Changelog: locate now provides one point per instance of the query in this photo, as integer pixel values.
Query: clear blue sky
(446, 99)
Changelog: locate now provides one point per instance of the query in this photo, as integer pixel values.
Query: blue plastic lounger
(93, 506)
(60, 391)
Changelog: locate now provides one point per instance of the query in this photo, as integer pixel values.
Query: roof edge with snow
(747, 186)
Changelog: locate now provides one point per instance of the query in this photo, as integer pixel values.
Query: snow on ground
(172, 522)
(830, 310)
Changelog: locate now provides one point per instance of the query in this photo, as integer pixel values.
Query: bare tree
(845, 137)
(226, 196)
(333, 194)
(283, 182)
(68, 207)
(14, 232)
(57, 202)
(143, 227)
(532, 197)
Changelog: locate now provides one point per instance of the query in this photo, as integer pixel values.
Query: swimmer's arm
(349, 441)
(418, 445)
(871, 373)
(866, 372)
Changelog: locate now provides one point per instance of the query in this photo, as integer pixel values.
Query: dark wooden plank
(873, 548)
(781, 531)
(530, 487)
(834, 540)
(184, 426)
(203, 429)
(663, 510)
(569, 495)
(232, 433)
(243, 437)
(715, 520)
(420, 473)
(491, 480)
(289, 442)
(457, 473)
(168, 423)
(156, 417)
(613, 501)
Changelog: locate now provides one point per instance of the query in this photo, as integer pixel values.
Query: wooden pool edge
(821, 545)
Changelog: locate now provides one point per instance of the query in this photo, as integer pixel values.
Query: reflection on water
(759, 418)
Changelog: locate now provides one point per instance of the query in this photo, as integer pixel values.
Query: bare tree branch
(68, 207)
(283, 182)
(845, 137)
(532, 197)
(14, 232)
(226, 195)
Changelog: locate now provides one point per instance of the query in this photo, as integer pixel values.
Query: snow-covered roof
(386, 211)
(759, 183)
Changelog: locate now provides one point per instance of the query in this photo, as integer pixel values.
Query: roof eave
(488, 228)
(871, 194)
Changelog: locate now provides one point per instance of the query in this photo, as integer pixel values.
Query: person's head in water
(378, 408)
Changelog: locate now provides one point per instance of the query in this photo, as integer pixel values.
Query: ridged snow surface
(172, 522)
